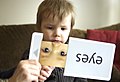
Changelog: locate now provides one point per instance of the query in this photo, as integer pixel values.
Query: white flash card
(35, 45)
(89, 59)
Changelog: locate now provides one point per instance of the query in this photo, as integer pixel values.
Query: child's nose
(57, 33)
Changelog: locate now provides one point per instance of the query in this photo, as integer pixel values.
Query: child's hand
(45, 72)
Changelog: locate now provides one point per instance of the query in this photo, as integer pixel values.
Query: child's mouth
(58, 41)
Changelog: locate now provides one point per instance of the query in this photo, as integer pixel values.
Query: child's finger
(44, 73)
(42, 78)
(48, 68)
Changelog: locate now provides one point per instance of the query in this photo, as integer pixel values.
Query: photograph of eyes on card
(53, 54)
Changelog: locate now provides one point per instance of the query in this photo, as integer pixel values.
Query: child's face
(55, 30)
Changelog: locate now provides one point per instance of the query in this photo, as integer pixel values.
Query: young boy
(55, 20)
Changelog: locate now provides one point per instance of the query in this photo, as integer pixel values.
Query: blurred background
(90, 14)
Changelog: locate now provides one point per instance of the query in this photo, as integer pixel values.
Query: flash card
(35, 45)
(46, 52)
(89, 59)
(80, 58)
(53, 54)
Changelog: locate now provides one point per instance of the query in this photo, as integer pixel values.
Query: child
(55, 20)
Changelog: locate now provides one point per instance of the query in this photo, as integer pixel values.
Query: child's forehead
(55, 18)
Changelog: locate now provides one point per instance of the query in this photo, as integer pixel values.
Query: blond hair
(59, 8)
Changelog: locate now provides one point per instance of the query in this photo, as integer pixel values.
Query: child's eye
(49, 27)
(63, 28)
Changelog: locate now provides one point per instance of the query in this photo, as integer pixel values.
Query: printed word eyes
(86, 59)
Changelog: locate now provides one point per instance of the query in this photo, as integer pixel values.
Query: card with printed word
(80, 58)
(89, 59)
